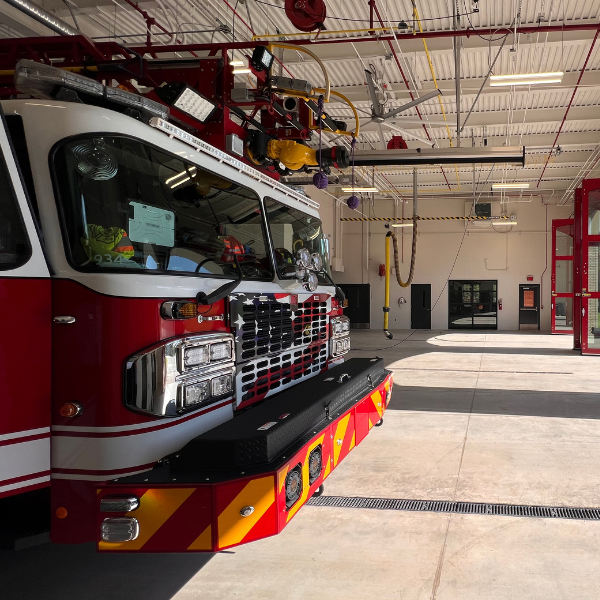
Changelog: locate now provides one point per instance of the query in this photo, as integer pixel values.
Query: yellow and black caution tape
(426, 219)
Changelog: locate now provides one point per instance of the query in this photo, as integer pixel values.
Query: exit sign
(529, 277)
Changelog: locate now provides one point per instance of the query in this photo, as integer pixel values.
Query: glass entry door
(590, 290)
(562, 275)
(473, 304)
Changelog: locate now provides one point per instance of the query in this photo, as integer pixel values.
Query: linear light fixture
(240, 71)
(402, 224)
(526, 79)
(236, 63)
(510, 186)
(359, 189)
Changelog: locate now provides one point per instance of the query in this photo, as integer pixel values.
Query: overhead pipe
(514, 155)
(569, 105)
(424, 35)
(45, 18)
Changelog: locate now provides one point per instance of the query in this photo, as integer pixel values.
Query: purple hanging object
(353, 202)
(320, 180)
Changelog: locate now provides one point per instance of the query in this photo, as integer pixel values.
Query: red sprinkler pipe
(151, 21)
(569, 105)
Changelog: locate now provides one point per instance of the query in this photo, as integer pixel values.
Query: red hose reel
(306, 15)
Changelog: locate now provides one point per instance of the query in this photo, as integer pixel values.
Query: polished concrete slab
(492, 417)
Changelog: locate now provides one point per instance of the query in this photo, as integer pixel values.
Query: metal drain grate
(462, 508)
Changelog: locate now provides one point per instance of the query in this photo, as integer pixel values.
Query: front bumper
(211, 511)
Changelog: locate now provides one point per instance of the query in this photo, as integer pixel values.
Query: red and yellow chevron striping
(204, 517)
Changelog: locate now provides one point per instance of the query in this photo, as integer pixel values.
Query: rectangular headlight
(221, 351)
(221, 385)
(121, 529)
(195, 356)
(339, 326)
(195, 393)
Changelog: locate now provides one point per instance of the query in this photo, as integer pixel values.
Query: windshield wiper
(339, 293)
(224, 290)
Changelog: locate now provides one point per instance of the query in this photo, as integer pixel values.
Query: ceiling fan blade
(377, 108)
(429, 96)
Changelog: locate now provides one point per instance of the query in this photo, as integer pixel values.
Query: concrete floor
(485, 417)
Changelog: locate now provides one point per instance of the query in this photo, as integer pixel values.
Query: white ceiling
(522, 116)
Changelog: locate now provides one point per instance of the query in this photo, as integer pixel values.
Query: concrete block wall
(485, 254)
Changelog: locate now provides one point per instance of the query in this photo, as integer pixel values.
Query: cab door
(25, 312)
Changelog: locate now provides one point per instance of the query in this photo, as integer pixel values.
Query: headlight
(196, 393)
(339, 326)
(202, 352)
(185, 374)
(316, 262)
(195, 356)
(221, 385)
(220, 351)
(311, 281)
(303, 257)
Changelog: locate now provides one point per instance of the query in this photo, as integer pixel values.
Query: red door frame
(556, 224)
(589, 185)
(577, 269)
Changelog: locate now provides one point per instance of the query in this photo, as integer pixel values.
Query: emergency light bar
(44, 81)
(186, 99)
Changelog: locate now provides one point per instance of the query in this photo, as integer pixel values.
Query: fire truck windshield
(127, 205)
(291, 229)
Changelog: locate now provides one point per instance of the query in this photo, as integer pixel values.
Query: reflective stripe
(24, 458)
(23, 484)
(26, 433)
(130, 451)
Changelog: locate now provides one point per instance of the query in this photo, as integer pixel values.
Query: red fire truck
(172, 342)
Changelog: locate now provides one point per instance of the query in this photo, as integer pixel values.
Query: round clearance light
(70, 409)
(293, 486)
(311, 281)
(303, 258)
(316, 262)
(315, 464)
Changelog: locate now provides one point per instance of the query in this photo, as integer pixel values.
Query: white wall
(438, 242)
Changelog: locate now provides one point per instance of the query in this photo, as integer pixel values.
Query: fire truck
(172, 341)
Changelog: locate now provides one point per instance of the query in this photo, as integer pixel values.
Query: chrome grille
(265, 325)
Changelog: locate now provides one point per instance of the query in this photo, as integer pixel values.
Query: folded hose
(413, 257)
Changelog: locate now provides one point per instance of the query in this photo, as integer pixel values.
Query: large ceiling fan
(380, 117)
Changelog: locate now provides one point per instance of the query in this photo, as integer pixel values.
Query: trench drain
(462, 508)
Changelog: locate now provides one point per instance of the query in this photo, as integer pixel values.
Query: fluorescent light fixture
(359, 189)
(510, 186)
(240, 71)
(402, 224)
(236, 63)
(526, 79)
(504, 222)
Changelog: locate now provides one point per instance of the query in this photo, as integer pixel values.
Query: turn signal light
(70, 409)
(179, 310)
